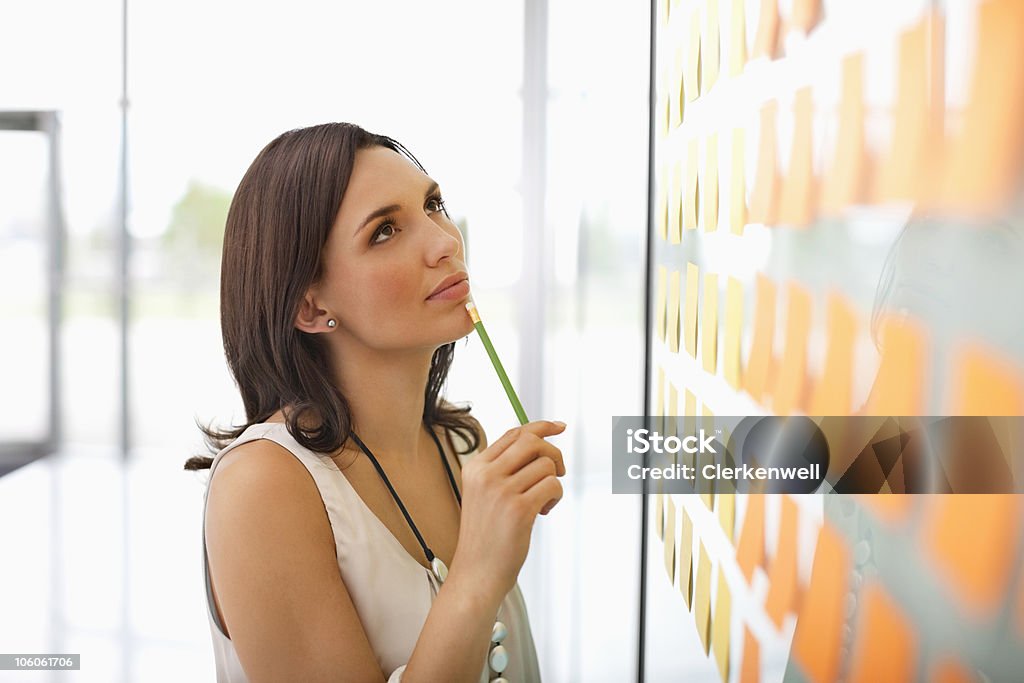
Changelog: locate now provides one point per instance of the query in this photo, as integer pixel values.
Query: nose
(442, 242)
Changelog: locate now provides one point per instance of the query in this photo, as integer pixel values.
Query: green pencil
(513, 399)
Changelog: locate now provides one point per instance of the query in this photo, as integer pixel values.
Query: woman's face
(390, 247)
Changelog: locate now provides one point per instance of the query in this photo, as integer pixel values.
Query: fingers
(544, 495)
(525, 450)
(530, 474)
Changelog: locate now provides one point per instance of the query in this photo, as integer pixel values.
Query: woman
(333, 512)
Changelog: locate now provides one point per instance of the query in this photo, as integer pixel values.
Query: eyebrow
(384, 210)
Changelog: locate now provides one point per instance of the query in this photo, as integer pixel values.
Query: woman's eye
(436, 202)
(386, 230)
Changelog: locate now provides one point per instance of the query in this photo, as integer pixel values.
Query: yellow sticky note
(737, 39)
(676, 189)
(792, 377)
(709, 50)
(670, 538)
(733, 332)
(702, 598)
(691, 74)
(844, 181)
(759, 368)
(709, 324)
(660, 400)
(799, 191)
(661, 215)
(763, 198)
(686, 559)
(709, 198)
(727, 513)
(673, 406)
(677, 102)
(659, 302)
(689, 422)
(690, 187)
(672, 315)
(690, 310)
(737, 185)
(659, 515)
(723, 622)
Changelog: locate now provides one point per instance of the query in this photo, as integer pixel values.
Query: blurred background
(124, 130)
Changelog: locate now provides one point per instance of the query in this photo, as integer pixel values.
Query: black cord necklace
(438, 567)
(498, 656)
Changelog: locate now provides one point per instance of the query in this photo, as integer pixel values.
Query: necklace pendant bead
(440, 570)
(498, 659)
(499, 632)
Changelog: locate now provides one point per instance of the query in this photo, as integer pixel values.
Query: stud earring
(332, 323)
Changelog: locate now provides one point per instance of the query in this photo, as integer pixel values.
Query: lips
(452, 281)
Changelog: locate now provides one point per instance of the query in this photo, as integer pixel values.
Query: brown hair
(279, 220)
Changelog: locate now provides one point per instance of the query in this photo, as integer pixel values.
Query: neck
(385, 395)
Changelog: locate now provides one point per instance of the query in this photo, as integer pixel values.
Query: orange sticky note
(782, 576)
(985, 160)
(973, 539)
(733, 332)
(757, 373)
(805, 15)
(690, 187)
(751, 671)
(885, 648)
(660, 294)
(910, 166)
(709, 324)
(726, 509)
(799, 191)
(792, 376)
(675, 211)
(847, 173)
(709, 47)
(670, 538)
(709, 198)
(690, 311)
(737, 39)
(702, 598)
(833, 392)
(985, 382)
(948, 670)
(691, 77)
(686, 559)
(767, 36)
(763, 199)
(899, 387)
(737, 185)
(888, 508)
(819, 627)
(720, 636)
(750, 551)
(672, 315)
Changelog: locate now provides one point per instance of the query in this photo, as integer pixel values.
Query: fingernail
(559, 423)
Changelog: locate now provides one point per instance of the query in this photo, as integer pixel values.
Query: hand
(504, 488)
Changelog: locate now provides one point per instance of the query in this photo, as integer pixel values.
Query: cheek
(381, 298)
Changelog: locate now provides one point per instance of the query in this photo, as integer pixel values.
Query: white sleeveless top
(391, 591)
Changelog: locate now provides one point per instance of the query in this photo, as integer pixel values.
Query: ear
(311, 318)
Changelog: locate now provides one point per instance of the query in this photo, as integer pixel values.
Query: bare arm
(283, 600)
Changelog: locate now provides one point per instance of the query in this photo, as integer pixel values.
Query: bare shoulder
(275, 571)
